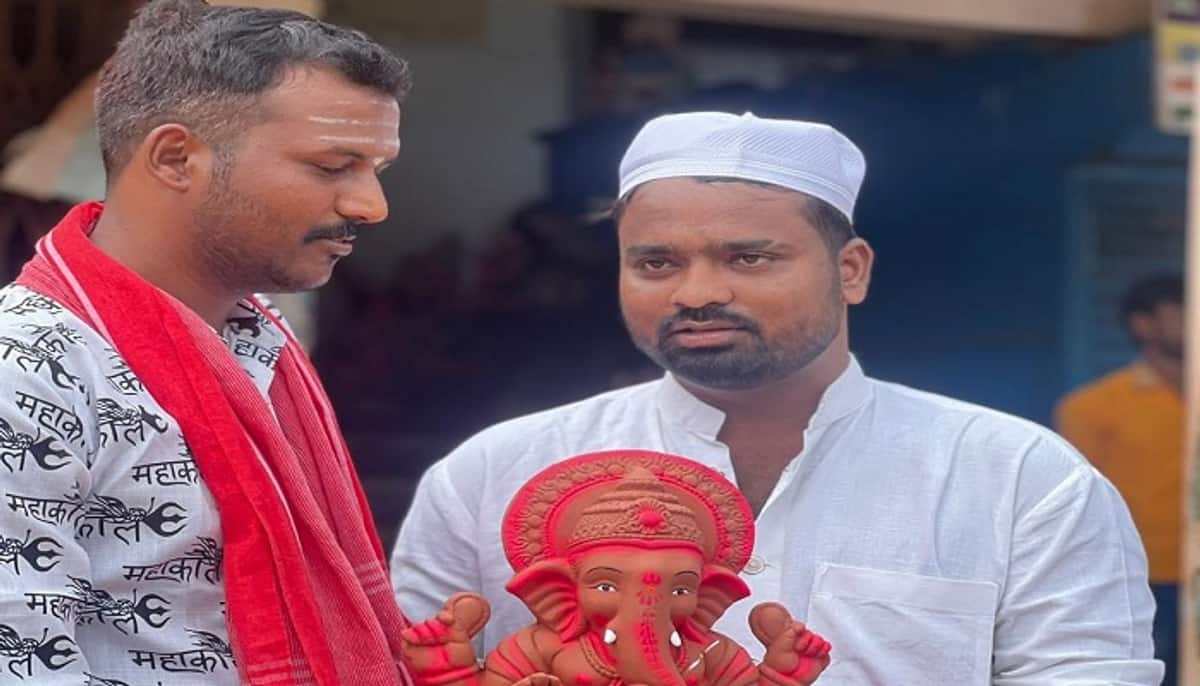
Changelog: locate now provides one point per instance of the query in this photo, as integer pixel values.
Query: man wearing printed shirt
(177, 505)
(111, 540)
(929, 540)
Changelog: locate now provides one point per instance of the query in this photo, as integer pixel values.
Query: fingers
(437, 630)
(810, 643)
(811, 669)
(804, 641)
(430, 632)
(788, 638)
(540, 679)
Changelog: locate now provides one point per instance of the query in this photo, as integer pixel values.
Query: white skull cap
(812, 158)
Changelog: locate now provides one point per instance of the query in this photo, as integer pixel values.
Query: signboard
(1176, 49)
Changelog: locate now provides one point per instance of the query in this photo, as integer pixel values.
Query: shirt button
(755, 565)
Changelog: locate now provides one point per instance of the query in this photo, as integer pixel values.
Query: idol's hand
(795, 654)
(439, 650)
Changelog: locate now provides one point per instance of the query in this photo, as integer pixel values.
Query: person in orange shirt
(1130, 425)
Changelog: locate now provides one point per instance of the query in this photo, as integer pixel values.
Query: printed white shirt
(929, 540)
(110, 542)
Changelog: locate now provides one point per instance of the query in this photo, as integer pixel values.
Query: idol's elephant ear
(719, 588)
(548, 589)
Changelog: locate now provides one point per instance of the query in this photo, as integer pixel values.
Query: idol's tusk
(700, 658)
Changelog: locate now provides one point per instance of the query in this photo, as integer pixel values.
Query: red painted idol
(626, 559)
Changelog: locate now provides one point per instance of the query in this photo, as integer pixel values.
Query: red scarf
(308, 596)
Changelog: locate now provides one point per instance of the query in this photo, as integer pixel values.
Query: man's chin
(709, 370)
(1171, 352)
(296, 284)
(718, 380)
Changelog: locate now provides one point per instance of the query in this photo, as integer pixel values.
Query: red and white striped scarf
(307, 590)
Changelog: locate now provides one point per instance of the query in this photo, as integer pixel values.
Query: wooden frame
(1058, 18)
(46, 48)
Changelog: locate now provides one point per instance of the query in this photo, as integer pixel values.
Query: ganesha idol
(626, 559)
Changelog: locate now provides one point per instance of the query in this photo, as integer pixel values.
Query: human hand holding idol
(626, 558)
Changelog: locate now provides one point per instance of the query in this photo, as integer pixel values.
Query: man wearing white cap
(931, 541)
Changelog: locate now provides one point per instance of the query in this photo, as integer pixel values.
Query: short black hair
(184, 61)
(835, 228)
(1147, 293)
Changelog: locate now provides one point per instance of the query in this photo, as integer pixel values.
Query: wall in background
(470, 154)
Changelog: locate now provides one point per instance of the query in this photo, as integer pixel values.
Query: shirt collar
(1145, 378)
(849, 392)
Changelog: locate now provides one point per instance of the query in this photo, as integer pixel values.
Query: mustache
(708, 313)
(334, 232)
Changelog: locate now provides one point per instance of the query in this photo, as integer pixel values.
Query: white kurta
(110, 542)
(931, 541)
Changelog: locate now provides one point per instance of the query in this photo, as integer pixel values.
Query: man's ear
(854, 263)
(174, 156)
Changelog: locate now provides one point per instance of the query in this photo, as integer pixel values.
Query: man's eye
(331, 171)
(605, 588)
(682, 590)
(751, 259)
(655, 264)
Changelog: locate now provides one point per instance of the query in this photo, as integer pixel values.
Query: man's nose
(364, 203)
(701, 285)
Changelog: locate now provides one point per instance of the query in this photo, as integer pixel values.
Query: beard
(239, 239)
(744, 365)
(1170, 348)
